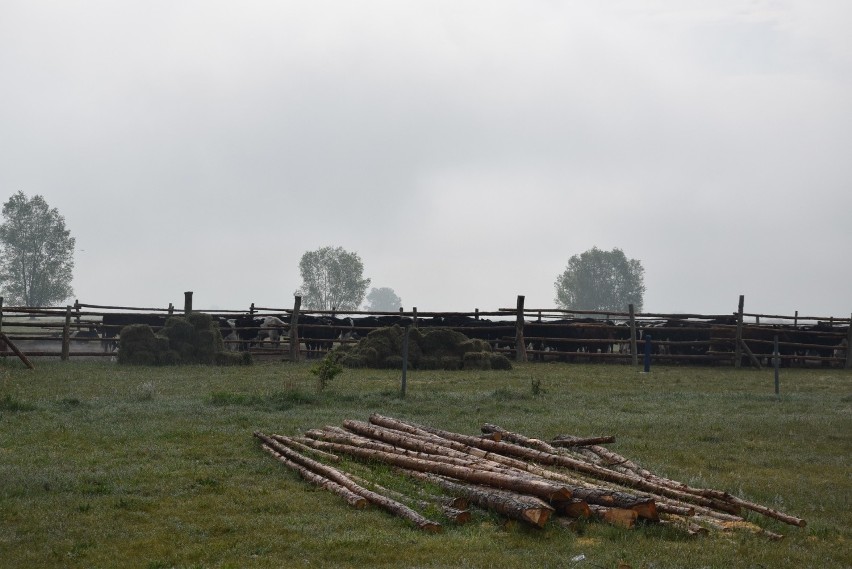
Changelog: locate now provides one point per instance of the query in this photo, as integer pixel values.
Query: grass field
(109, 466)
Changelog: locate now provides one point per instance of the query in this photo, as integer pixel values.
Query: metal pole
(634, 352)
(647, 352)
(404, 360)
(776, 360)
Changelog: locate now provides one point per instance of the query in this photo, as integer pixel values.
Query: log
(351, 498)
(456, 515)
(519, 484)
(572, 441)
(616, 516)
(632, 481)
(644, 505)
(17, 352)
(392, 506)
(299, 446)
(574, 508)
(528, 509)
(516, 438)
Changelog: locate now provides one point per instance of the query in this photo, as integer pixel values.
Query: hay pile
(193, 339)
(432, 348)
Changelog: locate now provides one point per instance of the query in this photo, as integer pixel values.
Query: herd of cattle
(682, 340)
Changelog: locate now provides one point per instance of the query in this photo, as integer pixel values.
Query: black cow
(252, 330)
(320, 332)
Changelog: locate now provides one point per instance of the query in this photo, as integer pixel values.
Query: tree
(601, 280)
(36, 253)
(383, 300)
(332, 279)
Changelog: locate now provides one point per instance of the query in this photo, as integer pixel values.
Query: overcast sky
(465, 150)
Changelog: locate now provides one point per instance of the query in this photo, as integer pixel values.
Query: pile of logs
(522, 478)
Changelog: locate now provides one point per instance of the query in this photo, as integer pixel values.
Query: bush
(326, 370)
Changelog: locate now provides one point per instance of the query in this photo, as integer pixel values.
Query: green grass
(109, 466)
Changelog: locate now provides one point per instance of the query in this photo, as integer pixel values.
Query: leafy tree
(332, 279)
(601, 280)
(36, 253)
(383, 300)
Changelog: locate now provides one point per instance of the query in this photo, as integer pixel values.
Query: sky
(464, 149)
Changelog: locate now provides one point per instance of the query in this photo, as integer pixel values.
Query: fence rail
(524, 334)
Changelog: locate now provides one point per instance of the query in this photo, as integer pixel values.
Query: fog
(465, 150)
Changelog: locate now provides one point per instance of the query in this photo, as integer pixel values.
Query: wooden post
(404, 360)
(187, 302)
(66, 334)
(1, 314)
(738, 346)
(520, 343)
(171, 309)
(251, 308)
(796, 320)
(77, 310)
(294, 329)
(414, 318)
(14, 348)
(476, 314)
(848, 344)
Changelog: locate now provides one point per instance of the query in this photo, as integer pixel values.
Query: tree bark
(351, 497)
(392, 506)
(528, 509)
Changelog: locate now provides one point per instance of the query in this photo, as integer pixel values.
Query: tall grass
(109, 466)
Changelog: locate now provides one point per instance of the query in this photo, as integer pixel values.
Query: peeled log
(392, 506)
(351, 498)
(528, 509)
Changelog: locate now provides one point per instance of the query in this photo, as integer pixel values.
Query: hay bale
(140, 346)
(476, 360)
(431, 348)
(191, 339)
(500, 362)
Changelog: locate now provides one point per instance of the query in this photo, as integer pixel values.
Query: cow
(252, 330)
(320, 332)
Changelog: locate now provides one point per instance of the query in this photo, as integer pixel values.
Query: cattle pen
(523, 334)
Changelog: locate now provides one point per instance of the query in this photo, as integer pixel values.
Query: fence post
(520, 343)
(187, 302)
(171, 309)
(634, 353)
(796, 320)
(66, 334)
(294, 329)
(848, 343)
(476, 314)
(77, 310)
(738, 344)
(1, 314)
(414, 314)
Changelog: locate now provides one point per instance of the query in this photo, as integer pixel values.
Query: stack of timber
(522, 478)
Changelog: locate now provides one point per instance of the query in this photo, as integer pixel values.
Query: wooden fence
(523, 334)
